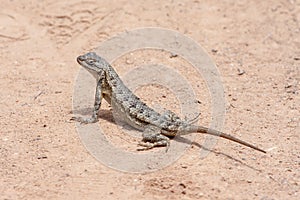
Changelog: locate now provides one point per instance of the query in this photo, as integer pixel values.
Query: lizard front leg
(97, 105)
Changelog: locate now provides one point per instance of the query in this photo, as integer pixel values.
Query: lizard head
(93, 63)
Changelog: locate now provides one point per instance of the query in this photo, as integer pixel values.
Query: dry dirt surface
(254, 44)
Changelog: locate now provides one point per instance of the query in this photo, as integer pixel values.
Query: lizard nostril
(80, 58)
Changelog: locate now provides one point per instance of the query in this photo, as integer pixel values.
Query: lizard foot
(149, 145)
(152, 138)
(84, 120)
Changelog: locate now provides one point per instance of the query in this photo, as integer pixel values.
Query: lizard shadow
(104, 114)
(82, 111)
(187, 141)
(107, 115)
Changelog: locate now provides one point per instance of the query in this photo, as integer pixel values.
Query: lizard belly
(121, 114)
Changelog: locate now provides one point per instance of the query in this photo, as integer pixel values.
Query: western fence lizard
(157, 128)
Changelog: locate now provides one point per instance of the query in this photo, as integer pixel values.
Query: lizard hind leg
(152, 138)
(170, 116)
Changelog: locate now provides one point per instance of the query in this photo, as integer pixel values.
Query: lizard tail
(205, 130)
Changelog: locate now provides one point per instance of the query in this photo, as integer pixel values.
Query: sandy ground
(42, 156)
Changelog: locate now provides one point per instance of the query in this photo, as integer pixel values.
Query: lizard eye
(90, 62)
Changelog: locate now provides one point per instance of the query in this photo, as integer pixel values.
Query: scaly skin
(156, 127)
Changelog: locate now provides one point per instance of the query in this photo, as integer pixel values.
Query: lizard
(157, 129)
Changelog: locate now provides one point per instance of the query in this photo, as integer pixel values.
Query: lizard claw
(145, 145)
(148, 145)
(83, 120)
